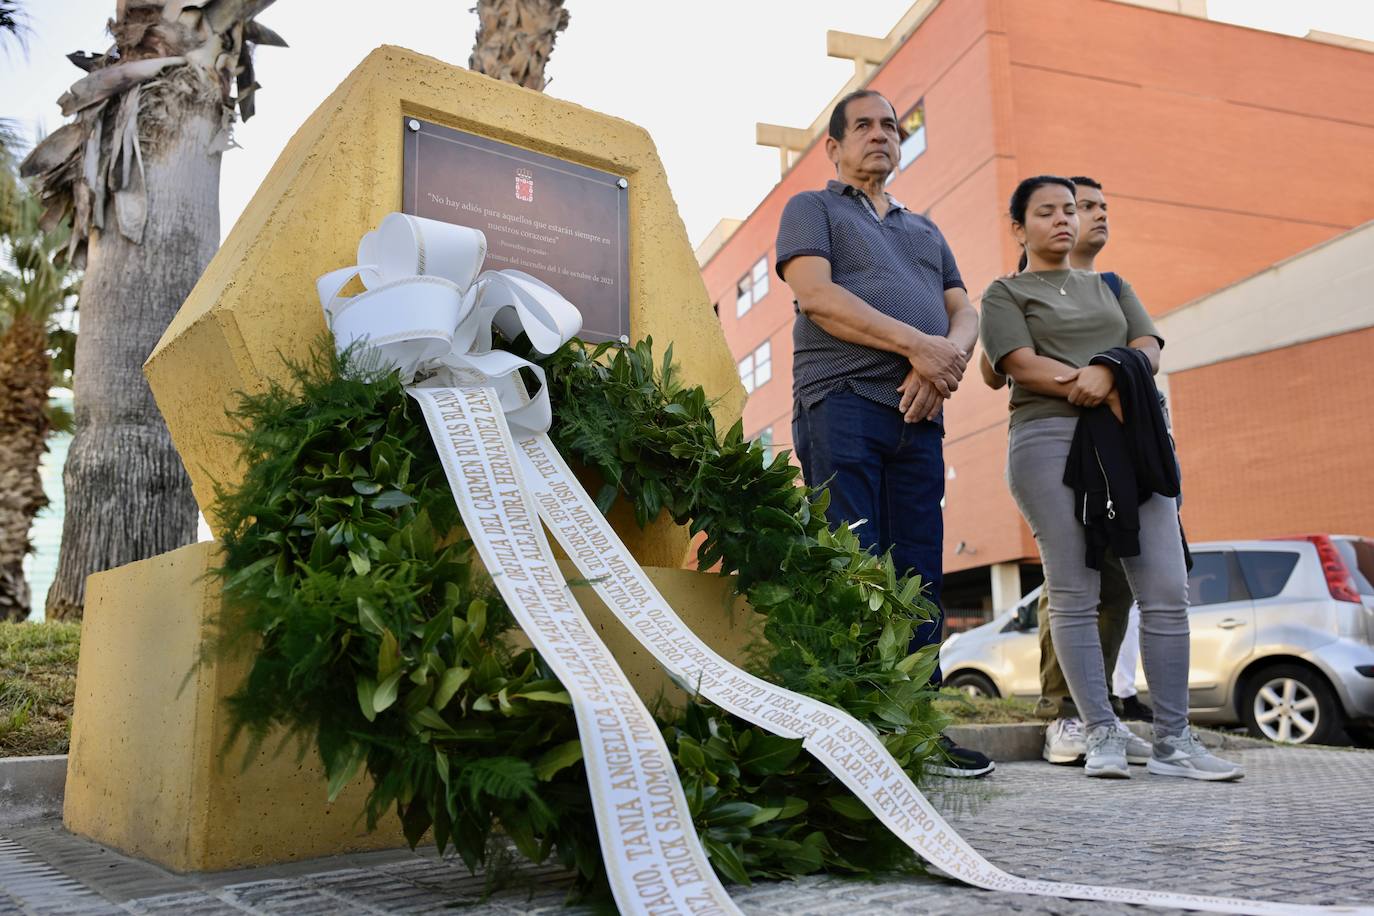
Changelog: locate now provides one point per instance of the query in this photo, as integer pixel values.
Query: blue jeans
(886, 472)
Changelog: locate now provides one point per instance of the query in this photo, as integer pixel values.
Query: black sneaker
(960, 762)
(1135, 711)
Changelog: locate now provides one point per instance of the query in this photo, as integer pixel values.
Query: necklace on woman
(1068, 273)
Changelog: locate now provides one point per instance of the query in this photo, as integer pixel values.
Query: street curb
(1003, 743)
(31, 787)
(1025, 740)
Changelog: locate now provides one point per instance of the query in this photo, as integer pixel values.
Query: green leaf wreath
(378, 635)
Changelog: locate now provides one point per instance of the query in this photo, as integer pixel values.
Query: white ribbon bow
(429, 312)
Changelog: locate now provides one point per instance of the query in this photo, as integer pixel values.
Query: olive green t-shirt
(1027, 311)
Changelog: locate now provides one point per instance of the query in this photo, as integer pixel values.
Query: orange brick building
(1222, 150)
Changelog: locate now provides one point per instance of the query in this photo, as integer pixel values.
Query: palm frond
(161, 51)
(14, 23)
(35, 283)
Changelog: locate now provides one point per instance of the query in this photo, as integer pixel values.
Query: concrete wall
(152, 770)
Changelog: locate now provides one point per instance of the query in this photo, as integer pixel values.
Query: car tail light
(1338, 580)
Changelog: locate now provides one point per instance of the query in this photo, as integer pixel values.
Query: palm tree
(515, 39)
(34, 291)
(10, 190)
(11, 18)
(137, 171)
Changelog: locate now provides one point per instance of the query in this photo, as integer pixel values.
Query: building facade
(1222, 149)
(1272, 385)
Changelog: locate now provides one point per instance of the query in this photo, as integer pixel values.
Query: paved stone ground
(1299, 828)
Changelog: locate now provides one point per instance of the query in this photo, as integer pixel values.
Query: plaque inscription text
(562, 222)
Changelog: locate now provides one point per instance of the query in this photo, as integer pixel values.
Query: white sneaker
(1107, 753)
(1138, 750)
(1183, 755)
(1064, 741)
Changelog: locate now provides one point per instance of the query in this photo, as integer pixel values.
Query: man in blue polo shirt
(883, 333)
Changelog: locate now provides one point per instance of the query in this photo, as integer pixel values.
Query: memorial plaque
(564, 223)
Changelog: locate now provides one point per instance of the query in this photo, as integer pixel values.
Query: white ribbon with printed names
(429, 312)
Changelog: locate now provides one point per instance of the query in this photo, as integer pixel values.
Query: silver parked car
(1282, 639)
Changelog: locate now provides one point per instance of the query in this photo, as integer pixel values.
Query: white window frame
(756, 369)
(752, 287)
(914, 144)
(763, 364)
(746, 373)
(744, 299)
(761, 278)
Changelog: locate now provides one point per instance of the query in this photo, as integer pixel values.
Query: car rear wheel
(1290, 704)
(972, 683)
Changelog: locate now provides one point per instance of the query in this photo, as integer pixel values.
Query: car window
(1359, 559)
(1025, 617)
(1266, 571)
(1214, 578)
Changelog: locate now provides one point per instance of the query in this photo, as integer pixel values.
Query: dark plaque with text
(564, 223)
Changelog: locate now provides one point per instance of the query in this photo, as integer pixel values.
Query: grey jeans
(1158, 578)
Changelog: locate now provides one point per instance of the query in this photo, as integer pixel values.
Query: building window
(756, 368)
(752, 287)
(913, 135)
(765, 440)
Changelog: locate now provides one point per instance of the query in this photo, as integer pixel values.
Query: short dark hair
(1083, 181)
(839, 118)
(1020, 198)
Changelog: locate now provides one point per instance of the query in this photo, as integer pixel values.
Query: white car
(1282, 639)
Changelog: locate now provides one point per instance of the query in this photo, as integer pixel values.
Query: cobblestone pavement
(1299, 828)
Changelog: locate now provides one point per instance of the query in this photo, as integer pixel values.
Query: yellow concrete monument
(149, 771)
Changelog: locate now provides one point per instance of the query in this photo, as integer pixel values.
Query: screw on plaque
(413, 124)
(622, 184)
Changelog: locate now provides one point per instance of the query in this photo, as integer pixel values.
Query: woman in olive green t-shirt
(1041, 328)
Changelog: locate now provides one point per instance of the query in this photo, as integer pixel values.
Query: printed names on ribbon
(849, 749)
(652, 854)
(840, 742)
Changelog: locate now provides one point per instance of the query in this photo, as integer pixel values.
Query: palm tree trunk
(24, 377)
(128, 496)
(515, 39)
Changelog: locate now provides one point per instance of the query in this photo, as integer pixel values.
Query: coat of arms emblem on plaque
(524, 185)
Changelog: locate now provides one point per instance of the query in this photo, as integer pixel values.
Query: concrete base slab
(31, 787)
(153, 771)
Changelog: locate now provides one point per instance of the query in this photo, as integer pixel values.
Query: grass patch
(37, 687)
(967, 710)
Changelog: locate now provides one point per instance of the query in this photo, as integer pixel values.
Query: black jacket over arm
(1114, 467)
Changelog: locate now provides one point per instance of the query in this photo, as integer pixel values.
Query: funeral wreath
(377, 636)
